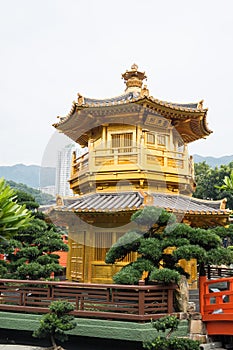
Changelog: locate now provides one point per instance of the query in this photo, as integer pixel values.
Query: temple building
(137, 155)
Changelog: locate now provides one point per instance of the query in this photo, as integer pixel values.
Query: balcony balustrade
(105, 159)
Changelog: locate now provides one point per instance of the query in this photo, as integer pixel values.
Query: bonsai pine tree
(29, 252)
(56, 323)
(169, 324)
(161, 242)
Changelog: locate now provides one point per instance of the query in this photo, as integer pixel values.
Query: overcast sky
(52, 49)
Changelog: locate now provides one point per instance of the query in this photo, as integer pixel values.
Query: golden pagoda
(136, 155)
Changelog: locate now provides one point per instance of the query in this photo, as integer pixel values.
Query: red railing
(216, 305)
(111, 301)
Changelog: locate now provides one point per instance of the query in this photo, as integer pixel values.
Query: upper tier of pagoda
(189, 119)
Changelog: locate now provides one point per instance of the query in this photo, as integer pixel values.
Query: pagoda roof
(189, 119)
(128, 98)
(136, 97)
(131, 201)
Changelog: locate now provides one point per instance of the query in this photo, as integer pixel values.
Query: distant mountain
(31, 175)
(213, 161)
(40, 197)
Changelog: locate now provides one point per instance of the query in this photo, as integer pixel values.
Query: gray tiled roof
(185, 203)
(101, 202)
(186, 105)
(119, 98)
(135, 95)
(108, 201)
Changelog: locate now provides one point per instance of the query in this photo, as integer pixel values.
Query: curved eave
(63, 120)
(78, 125)
(124, 99)
(198, 128)
(132, 209)
(190, 123)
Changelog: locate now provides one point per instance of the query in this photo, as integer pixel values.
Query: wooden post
(141, 298)
(69, 256)
(50, 292)
(231, 290)
(21, 297)
(77, 302)
(170, 301)
(73, 163)
(208, 272)
(202, 290)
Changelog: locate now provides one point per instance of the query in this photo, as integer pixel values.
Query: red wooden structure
(216, 305)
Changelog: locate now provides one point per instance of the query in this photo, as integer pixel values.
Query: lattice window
(76, 262)
(161, 140)
(122, 142)
(150, 138)
(103, 241)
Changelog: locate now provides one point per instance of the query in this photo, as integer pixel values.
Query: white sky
(52, 49)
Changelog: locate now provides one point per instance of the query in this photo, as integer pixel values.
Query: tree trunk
(182, 294)
(202, 271)
(169, 334)
(54, 345)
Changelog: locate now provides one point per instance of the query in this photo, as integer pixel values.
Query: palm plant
(12, 215)
(228, 183)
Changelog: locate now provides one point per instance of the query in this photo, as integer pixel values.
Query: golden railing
(130, 155)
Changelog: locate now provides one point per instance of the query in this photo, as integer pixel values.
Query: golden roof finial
(133, 78)
(134, 67)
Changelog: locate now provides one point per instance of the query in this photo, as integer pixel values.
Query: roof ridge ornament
(80, 99)
(200, 104)
(144, 91)
(133, 79)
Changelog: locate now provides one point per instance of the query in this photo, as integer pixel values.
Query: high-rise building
(48, 189)
(63, 167)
